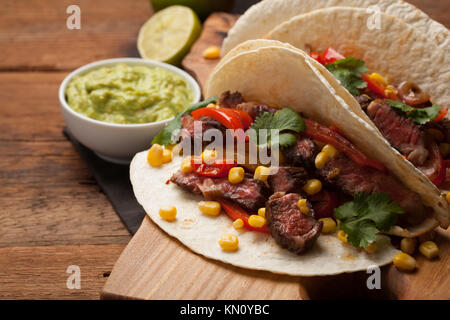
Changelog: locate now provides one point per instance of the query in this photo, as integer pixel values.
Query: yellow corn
(262, 173)
(330, 150)
(256, 221)
(429, 249)
(445, 149)
(447, 196)
(212, 52)
(166, 156)
(321, 160)
(209, 156)
(312, 186)
(303, 206)
(229, 242)
(211, 105)
(342, 236)
(238, 224)
(404, 262)
(371, 248)
(390, 90)
(436, 134)
(210, 208)
(262, 212)
(155, 155)
(186, 165)
(334, 173)
(328, 224)
(378, 78)
(408, 245)
(236, 175)
(168, 213)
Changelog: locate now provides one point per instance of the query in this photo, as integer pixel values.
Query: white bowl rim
(98, 64)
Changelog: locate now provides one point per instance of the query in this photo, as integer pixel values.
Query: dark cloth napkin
(114, 179)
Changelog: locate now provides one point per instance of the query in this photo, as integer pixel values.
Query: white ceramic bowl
(117, 143)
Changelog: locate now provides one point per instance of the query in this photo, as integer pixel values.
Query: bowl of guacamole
(115, 107)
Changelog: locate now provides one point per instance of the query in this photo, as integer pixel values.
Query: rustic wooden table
(53, 214)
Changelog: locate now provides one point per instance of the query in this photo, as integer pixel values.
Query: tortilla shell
(396, 51)
(257, 251)
(283, 76)
(267, 14)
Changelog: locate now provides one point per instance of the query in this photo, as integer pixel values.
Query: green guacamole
(129, 94)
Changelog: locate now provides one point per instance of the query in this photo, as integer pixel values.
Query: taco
(395, 78)
(333, 165)
(262, 17)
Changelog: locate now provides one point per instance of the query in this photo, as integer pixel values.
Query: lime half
(169, 34)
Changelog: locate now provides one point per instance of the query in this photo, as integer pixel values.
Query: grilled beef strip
(230, 100)
(288, 179)
(353, 178)
(290, 228)
(250, 194)
(255, 109)
(206, 123)
(402, 133)
(302, 153)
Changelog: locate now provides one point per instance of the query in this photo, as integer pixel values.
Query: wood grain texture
(157, 266)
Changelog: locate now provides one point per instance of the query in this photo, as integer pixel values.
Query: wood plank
(40, 272)
(34, 36)
(157, 266)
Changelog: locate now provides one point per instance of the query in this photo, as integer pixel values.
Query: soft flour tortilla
(257, 251)
(266, 15)
(396, 51)
(284, 76)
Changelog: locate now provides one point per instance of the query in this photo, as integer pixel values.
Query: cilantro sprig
(364, 217)
(349, 71)
(282, 120)
(166, 136)
(418, 115)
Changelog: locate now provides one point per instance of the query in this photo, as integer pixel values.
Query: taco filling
(321, 177)
(403, 113)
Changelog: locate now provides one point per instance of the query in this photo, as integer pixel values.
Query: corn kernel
(229, 242)
(436, 134)
(262, 212)
(209, 156)
(303, 206)
(166, 156)
(404, 262)
(168, 213)
(408, 245)
(447, 196)
(330, 150)
(186, 165)
(155, 155)
(378, 78)
(321, 160)
(429, 249)
(212, 52)
(211, 105)
(333, 173)
(312, 186)
(390, 91)
(238, 224)
(371, 248)
(210, 208)
(342, 236)
(236, 175)
(262, 173)
(256, 221)
(328, 225)
(445, 149)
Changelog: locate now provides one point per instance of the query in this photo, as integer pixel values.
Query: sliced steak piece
(402, 133)
(353, 178)
(288, 179)
(290, 228)
(230, 100)
(302, 153)
(206, 123)
(255, 109)
(250, 194)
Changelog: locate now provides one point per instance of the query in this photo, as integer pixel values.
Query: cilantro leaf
(349, 71)
(418, 115)
(165, 136)
(364, 217)
(284, 119)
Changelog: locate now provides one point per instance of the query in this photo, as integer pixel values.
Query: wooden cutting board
(157, 266)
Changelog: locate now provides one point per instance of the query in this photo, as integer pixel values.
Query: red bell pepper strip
(225, 116)
(330, 55)
(236, 212)
(218, 169)
(321, 133)
(246, 119)
(379, 88)
(434, 168)
(441, 115)
(316, 56)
